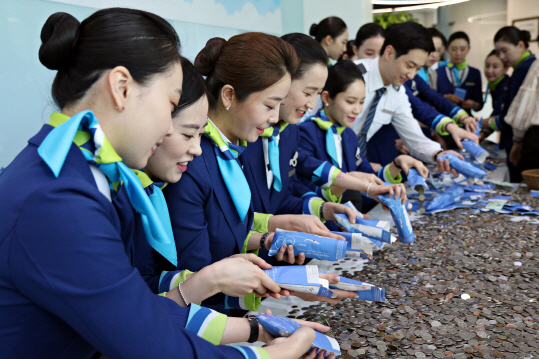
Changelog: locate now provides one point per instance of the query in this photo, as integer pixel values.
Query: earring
(327, 104)
(228, 107)
(123, 108)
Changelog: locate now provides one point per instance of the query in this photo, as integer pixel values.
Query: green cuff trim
(441, 125)
(459, 115)
(260, 222)
(182, 277)
(389, 177)
(492, 124)
(252, 302)
(164, 294)
(215, 329)
(334, 174)
(315, 208)
(244, 249)
(331, 197)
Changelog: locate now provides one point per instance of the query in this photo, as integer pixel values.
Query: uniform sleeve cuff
(312, 206)
(518, 133)
(493, 124)
(170, 279)
(388, 178)
(249, 302)
(206, 323)
(441, 124)
(459, 114)
(252, 352)
(326, 194)
(260, 222)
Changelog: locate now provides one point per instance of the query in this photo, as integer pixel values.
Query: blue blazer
(268, 200)
(313, 142)
(498, 96)
(472, 84)
(205, 223)
(66, 277)
(425, 93)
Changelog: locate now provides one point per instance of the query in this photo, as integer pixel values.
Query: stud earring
(228, 107)
(123, 108)
(327, 104)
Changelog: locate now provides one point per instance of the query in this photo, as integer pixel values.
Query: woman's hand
(470, 123)
(333, 279)
(406, 162)
(401, 147)
(467, 104)
(330, 209)
(305, 223)
(460, 134)
(516, 153)
(238, 276)
(394, 190)
(444, 165)
(367, 177)
(453, 98)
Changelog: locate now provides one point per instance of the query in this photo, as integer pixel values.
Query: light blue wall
(25, 84)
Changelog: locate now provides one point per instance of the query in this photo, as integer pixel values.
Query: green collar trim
(492, 85)
(268, 132)
(522, 58)
(214, 135)
(326, 125)
(460, 66)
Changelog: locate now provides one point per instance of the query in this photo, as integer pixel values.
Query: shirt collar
(375, 76)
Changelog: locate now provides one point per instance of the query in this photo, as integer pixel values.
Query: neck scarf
(455, 69)
(522, 58)
(492, 86)
(325, 124)
(227, 158)
(85, 131)
(273, 152)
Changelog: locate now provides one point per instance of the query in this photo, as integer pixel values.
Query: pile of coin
(467, 287)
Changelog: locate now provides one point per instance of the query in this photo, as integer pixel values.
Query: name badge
(292, 172)
(388, 111)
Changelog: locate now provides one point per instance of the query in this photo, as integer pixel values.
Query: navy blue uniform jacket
(67, 284)
(472, 84)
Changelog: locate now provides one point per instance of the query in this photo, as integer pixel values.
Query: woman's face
(347, 105)
(180, 146)
(438, 53)
(509, 53)
(458, 49)
(147, 118)
(337, 46)
(371, 47)
(303, 93)
(494, 68)
(259, 111)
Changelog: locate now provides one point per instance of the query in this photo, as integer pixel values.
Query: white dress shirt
(393, 108)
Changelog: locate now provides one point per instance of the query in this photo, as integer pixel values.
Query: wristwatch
(255, 330)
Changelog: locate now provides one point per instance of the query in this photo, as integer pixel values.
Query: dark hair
(458, 35)
(249, 62)
(513, 35)
(349, 50)
(493, 53)
(367, 31)
(332, 26)
(340, 76)
(143, 42)
(434, 32)
(193, 86)
(407, 36)
(309, 52)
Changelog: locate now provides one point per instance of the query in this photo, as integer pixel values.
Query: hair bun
(313, 29)
(58, 38)
(525, 35)
(207, 57)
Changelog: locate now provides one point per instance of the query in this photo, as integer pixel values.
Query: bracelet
(263, 240)
(396, 165)
(255, 330)
(322, 210)
(368, 187)
(181, 294)
(437, 153)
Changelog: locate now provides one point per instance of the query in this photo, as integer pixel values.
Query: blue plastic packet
(313, 246)
(372, 228)
(534, 193)
(445, 199)
(460, 92)
(478, 152)
(400, 217)
(463, 167)
(285, 327)
(358, 245)
(489, 166)
(365, 291)
(303, 279)
(479, 126)
(416, 181)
